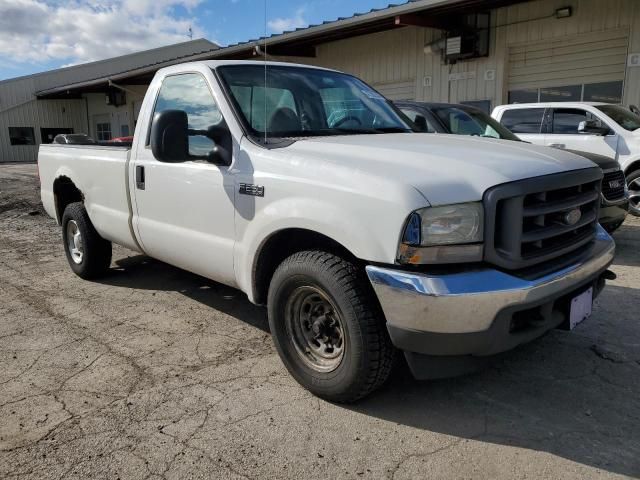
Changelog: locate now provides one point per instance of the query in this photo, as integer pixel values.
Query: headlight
(443, 234)
(447, 225)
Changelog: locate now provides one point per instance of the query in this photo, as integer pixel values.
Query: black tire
(367, 357)
(612, 227)
(96, 251)
(633, 181)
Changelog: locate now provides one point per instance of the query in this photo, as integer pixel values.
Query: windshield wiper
(364, 131)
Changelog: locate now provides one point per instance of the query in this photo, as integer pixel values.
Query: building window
(570, 93)
(523, 96)
(607, 92)
(103, 131)
(22, 136)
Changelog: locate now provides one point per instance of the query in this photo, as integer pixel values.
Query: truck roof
(551, 104)
(219, 63)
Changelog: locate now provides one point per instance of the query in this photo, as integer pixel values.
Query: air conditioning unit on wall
(471, 40)
(116, 98)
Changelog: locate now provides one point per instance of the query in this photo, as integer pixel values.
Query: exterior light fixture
(564, 12)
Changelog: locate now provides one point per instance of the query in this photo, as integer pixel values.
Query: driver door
(564, 133)
(184, 212)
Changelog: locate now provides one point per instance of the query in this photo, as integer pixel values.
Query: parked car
(466, 120)
(74, 139)
(601, 128)
(128, 139)
(358, 235)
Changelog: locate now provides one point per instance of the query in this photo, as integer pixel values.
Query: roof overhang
(439, 14)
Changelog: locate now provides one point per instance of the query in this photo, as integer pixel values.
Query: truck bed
(100, 173)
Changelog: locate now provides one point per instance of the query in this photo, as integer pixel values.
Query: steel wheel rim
(315, 327)
(634, 194)
(74, 242)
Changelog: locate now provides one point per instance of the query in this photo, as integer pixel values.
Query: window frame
(543, 120)
(432, 121)
(551, 114)
(33, 136)
(157, 95)
(280, 142)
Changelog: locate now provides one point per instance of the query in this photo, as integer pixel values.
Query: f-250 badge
(251, 189)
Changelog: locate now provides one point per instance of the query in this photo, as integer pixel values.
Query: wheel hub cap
(74, 242)
(315, 327)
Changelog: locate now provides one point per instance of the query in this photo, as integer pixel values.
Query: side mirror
(170, 134)
(170, 137)
(421, 123)
(592, 127)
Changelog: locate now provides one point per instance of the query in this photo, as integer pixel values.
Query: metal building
(27, 120)
(484, 52)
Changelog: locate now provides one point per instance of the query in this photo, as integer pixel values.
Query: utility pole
(190, 33)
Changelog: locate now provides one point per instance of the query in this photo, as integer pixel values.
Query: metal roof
(105, 68)
(291, 42)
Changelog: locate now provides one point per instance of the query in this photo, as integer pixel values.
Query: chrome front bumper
(470, 302)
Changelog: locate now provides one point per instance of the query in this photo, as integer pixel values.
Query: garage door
(397, 90)
(569, 63)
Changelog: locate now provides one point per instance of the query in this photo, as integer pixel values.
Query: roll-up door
(397, 90)
(596, 57)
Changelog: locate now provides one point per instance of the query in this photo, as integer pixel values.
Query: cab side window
(523, 120)
(189, 92)
(567, 120)
(413, 115)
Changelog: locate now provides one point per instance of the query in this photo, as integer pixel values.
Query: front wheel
(89, 254)
(633, 183)
(327, 327)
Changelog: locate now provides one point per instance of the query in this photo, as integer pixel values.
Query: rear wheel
(88, 254)
(327, 327)
(633, 183)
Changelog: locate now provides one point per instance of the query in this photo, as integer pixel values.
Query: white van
(601, 128)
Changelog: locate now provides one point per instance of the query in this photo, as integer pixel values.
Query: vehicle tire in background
(327, 326)
(633, 182)
(611, 228)
(89, 254)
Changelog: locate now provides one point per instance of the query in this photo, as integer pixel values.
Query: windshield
(303, 102)
(471, 121)
(623, 117)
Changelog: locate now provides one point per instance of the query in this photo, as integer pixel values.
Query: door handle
(140, 177)
(556, 145)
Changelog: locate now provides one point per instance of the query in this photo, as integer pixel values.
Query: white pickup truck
(314, 195)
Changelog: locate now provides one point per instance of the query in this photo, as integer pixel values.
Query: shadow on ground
(572, 394)
(628, 245)
(142, 272)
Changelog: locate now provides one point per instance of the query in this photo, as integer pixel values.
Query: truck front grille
(535, 220)
(613, 185)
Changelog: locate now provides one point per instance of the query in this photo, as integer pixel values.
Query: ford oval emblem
(572, 216)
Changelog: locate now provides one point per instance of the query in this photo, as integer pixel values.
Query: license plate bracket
(580, 308)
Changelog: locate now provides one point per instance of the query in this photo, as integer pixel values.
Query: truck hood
(443, 168)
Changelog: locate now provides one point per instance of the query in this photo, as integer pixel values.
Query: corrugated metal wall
(397, 56)
(19, 108)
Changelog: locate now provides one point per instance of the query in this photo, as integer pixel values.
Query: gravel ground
(157, 373)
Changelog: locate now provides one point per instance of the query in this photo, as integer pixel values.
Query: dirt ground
(154, 373)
